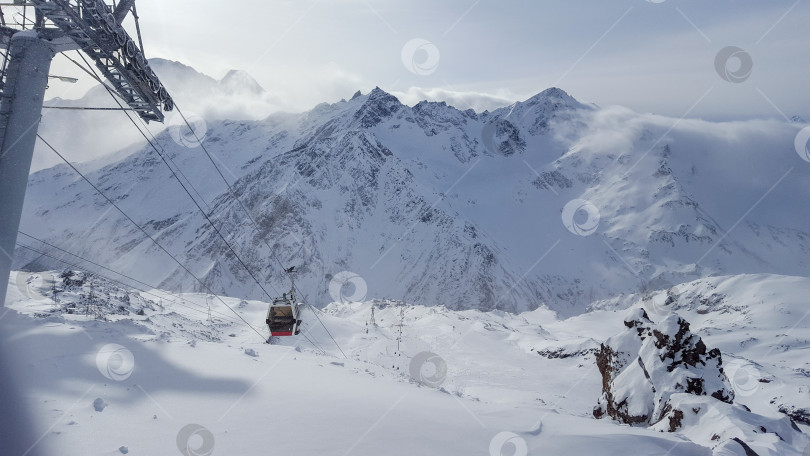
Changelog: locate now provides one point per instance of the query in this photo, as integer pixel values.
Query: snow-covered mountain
(545, 202)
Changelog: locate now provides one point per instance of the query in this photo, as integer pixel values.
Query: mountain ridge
(414, 199)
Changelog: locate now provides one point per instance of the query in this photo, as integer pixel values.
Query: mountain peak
(553, 95)
(173, 73)
(157, 62)
(380, 94)
(240, 81)
(379, 104)
(554, 92)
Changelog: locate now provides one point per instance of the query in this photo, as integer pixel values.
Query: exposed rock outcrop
(660, 375)
(646, 364)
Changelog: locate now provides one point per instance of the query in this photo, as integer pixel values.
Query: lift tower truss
(59, 25)
(96, 29)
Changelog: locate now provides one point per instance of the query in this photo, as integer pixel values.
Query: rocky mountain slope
(545, 202)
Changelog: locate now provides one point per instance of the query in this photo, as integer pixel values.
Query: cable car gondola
(283, 314)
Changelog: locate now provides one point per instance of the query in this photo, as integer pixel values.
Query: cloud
(89, 135)
(477, 101)
(755, 157)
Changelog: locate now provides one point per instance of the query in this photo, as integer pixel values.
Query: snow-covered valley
(489, 378)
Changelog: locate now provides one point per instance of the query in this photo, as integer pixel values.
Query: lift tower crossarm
(94, 27)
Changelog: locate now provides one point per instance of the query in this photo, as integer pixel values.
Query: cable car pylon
(60, 25)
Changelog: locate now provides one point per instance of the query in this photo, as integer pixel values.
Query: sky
(657, 56)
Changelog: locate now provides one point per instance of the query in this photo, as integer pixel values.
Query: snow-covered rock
(663, 376)
(648, 362)
(710, 422)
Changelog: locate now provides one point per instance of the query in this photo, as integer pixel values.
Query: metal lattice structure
(96, 28)
(32, 32)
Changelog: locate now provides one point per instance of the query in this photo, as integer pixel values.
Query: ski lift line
(142, 230)
(233, 193)
(327, 331)
(307, 332)
(313, 309)
(128, 286)
(124, 285)
(210, 222)
(105, 268)
(253, 222)
(177, 168)
(162, 157)
(92, 72)
(174, 174)
(314, 344)
(84, 108)
(113, 94)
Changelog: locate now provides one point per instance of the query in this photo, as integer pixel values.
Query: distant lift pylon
(283, 314)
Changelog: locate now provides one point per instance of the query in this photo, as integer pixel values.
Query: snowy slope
(438, 206)
(530, 375)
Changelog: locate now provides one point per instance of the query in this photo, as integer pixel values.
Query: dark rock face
(380, 105)
(562, 353)
(501, 137)
(675, 420)
(799, 415)
(746, 448)
(552, 179)
(646, 364)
